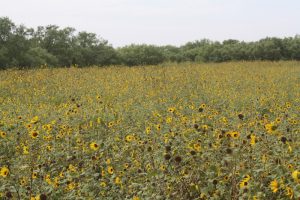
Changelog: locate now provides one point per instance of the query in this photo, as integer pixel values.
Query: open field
(187, 131)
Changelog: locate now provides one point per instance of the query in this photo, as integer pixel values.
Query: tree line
(54, 46)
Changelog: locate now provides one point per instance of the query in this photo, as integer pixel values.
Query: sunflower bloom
(235, 134)
(252, 140)
(135, 198)
(34, 134)
(34, 120)
(94, 146)
(2, 134)
(274, 186)
(4, 172)
(296, 176)
(244, 183)
(110, 170)
(148, 130)
(118, 180)
(289, 192)
(129, 138)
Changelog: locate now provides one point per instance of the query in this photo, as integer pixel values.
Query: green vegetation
(174, 132)
(54, 46)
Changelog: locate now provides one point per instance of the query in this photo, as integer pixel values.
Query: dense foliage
(186, 131)
(54, 46)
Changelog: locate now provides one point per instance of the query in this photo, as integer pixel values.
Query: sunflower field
(174, 131)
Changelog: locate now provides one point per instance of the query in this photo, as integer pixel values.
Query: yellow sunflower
(274, 186)
(34, 120)
(2, 134)
(110, 169)
(4, 172)
(94, 146)
(296, 176)
(129, 138)
(34, 134)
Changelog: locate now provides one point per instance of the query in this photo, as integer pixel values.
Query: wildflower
(148, 130)
(126, 165)
(118, 180)
(277, 120)
(158, 127)
(135, 198)
(44, 127)
(110, 124)
(184, 119)
(110, 169)
(235, 134)
(71, 186)
(197, 147)
(290, 166)
(289, 192)
(274, 186)
(171, 109)
(162, 167)
(204, 127)
(4, 172)
(34, 120)
(34, 175)
(2, 134)
(290, 148)
(25, 150)
(270, 128)
(247, 177)
(37, 197)
(94, 146)
(296, 176)
(102, 173)
(49, 147)
(129, 138)
(61, 174)
(169, 120)
(23, 181)
(226, 178)
(72, 168)
(29, 126)
(202, 105)
(34, 134)
(253, 140)
(103, 184)
(245, 182)
(48, 179)
(78, 141)
(148, 167)
(224, 120)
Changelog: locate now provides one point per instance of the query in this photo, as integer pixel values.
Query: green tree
(38, 56)
(91, 50)
(140, 55)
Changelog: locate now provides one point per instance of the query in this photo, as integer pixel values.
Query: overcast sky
(161, 22)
